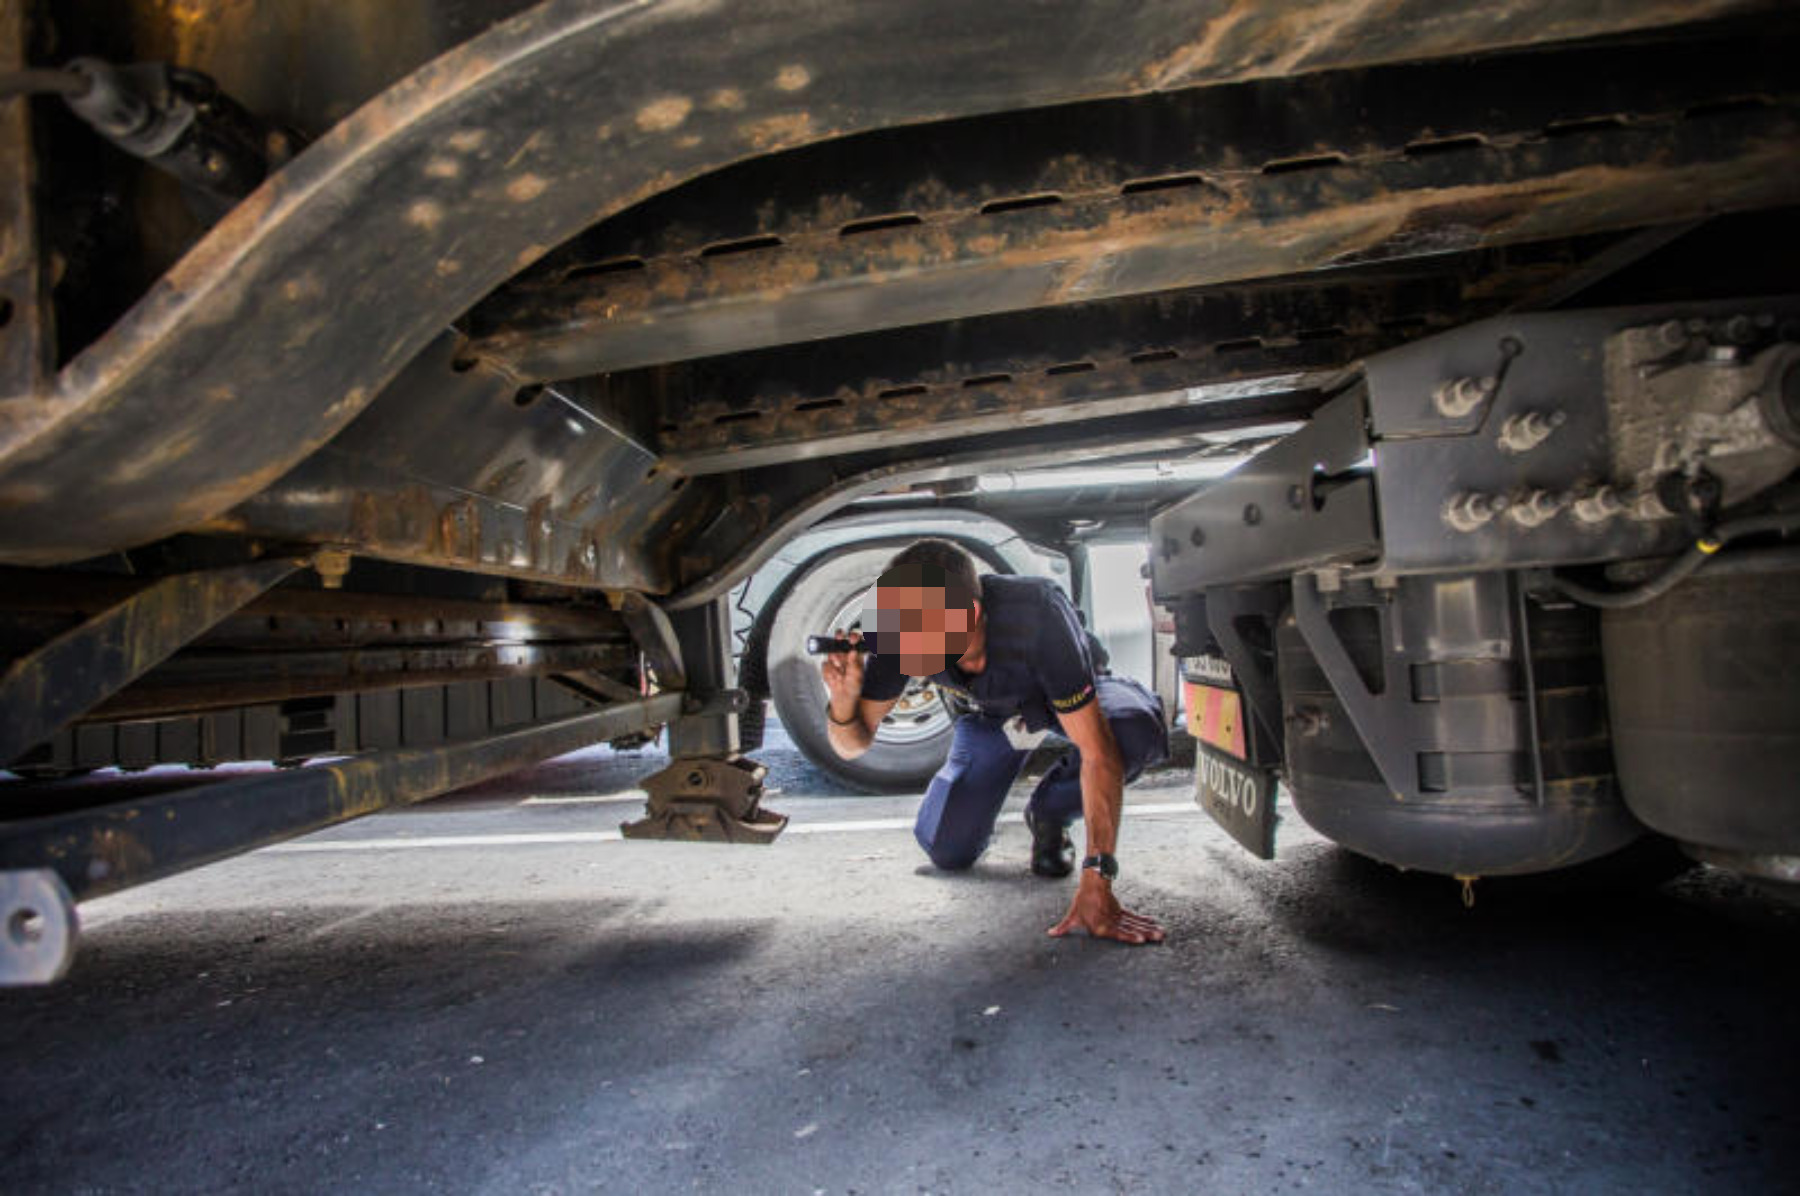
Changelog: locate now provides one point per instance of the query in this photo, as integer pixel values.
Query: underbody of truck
(408, 385)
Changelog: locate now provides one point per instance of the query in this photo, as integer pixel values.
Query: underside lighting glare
(1118, 475)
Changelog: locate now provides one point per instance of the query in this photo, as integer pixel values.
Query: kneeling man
(1015, 651)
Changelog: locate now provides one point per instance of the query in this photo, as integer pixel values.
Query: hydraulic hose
(1684, 566)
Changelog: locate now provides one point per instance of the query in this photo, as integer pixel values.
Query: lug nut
(1523, 432)
(1306, 722)
(1466, 512)
(1460, 396)
(1598, 506)
(332, 566)
(1537, 508)
(1647, 507)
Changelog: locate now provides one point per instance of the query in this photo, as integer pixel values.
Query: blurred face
(921, 619)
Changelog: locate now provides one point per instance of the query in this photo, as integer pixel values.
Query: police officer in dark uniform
(1014, 650)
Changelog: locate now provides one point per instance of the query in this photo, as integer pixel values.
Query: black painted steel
(1306, 503)
(1408, 737)
(1705, 706)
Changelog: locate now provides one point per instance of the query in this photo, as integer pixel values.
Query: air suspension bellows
(1705, 700)
(1488, 714)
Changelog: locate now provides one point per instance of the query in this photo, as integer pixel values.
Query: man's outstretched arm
(1094, 907)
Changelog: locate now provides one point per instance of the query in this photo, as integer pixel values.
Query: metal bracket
(1391, 748)
(655, 634)
(38, 927)
(1255, 673)
(707, 801)
(724, 701)
(45, 690)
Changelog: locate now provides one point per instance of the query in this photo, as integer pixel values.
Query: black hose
(1685, 565)
(37, 81)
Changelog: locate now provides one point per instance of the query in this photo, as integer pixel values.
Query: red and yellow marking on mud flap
(1215, 716)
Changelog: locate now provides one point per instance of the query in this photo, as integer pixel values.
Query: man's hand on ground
(1098, 912)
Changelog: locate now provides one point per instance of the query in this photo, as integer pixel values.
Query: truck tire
(911, 743)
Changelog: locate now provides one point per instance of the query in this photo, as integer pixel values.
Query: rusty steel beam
(1076, 363)
(535, 485)
(108, 848)
(1229, 225)
(197, 681)
(316, 617)
(290, 315)
(45, 690)
(27, 344)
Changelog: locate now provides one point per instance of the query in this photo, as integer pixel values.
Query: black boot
(1052, 852)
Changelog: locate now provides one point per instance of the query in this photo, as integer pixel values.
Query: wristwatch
(1104, 864)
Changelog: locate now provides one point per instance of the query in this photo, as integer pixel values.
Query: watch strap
(1104, 864)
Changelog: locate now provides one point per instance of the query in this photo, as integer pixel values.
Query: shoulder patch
(1075, 700)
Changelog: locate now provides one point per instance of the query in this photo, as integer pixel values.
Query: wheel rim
(919, 714)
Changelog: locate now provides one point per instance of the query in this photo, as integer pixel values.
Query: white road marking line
(425, 841)
(586, 799)
(531, 838)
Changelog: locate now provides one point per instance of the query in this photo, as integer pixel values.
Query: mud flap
(1230, 781)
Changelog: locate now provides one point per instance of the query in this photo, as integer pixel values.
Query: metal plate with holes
(1308, 501)
(1548, 365)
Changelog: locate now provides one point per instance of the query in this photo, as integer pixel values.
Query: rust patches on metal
(505, 478)
(1189, 61)
(425, 214)
(443, 166)
(467, 141)
(660, 116)
(352, 400)
(526, 188)
(725, 99)
(792, 77)
(113, 853)
(580, 502)
(780, 131)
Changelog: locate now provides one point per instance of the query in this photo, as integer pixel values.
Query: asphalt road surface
(491, 993)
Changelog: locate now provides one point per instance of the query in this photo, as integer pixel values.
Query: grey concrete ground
(491, 994)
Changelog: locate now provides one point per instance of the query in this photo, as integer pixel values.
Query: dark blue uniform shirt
(1040, 658)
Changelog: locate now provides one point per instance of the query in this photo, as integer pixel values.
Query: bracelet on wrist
(840, 722)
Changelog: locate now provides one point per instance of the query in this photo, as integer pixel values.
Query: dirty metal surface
(1032, 210)
(44, 690)
(588, 483)
(1567, 364)
(1079, 362)
(459, 465)
(773, 503)
(220, 679)
(707, 801)
(283, 323)
(25, 334)
(108, 848)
